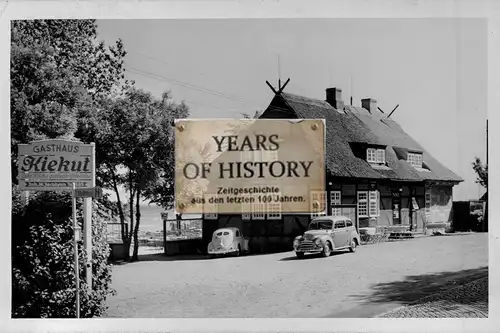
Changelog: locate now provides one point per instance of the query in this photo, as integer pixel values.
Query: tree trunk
(131, 213)
(125, 236)
(135, 255)
(119, 203)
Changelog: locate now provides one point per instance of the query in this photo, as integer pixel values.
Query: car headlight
(296, 242)
(317, 242)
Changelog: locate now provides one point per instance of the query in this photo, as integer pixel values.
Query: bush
(43, 279)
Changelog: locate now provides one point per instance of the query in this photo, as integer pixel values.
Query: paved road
(375, 279)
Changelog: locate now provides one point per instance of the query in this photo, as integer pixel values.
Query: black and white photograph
(201, 167)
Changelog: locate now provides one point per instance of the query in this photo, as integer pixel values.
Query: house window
(246, 209)
(320, 197)
(415, 160)
(374, 203)
(363, 204)
(274, 210)
(335, 199)
(210, 210)
(258, 210)
(375, 155)
(368, 203)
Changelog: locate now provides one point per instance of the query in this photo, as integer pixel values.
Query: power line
(192, 86)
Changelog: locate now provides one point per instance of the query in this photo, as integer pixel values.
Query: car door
(339, 234)
(350, 230)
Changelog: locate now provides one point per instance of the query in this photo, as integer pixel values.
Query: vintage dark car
(326, 234)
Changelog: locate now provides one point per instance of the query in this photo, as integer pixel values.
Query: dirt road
(375, 279)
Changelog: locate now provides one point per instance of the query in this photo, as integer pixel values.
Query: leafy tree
(481, 171)
(135, 149)
(57, 69)
(59, 72)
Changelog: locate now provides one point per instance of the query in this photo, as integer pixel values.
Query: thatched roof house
(377, 174)
(349, 129)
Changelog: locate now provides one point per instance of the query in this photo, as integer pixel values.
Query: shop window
(320, 197)
(363, 204)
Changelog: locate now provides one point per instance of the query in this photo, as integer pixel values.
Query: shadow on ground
(313, 256)
(415, 287)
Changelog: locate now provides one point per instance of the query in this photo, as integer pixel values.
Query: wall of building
(441, 201)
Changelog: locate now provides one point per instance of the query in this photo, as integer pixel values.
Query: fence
(182, 236)
(114, 233)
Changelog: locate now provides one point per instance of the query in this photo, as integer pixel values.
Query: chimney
(334, 98)
(370, 104)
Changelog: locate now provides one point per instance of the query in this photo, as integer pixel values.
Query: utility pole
(487, 152)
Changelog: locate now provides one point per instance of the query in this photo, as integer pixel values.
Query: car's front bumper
(222, 251)
(308, 247)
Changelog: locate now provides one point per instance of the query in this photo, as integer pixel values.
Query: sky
(435, 69)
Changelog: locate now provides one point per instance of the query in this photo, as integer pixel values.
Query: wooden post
(87, 211)
(75, 247)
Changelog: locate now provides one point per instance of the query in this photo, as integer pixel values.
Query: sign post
(75, 246)
(87, 218)
(62, 165)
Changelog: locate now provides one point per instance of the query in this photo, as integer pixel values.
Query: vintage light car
(227, 241)
(326, 234)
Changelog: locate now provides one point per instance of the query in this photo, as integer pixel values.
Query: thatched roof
(354, 126)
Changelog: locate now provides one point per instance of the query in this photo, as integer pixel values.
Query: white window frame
(415, 160)
(319, 196)
(336, 199)
(246, 213)
(274, 210)
(212, 213)
(374, 155)
(373, 203)
(363, 201)
(258, 210)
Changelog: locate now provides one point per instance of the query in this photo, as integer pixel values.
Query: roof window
(415, 160)
(374, 155)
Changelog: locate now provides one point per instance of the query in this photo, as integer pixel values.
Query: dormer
(375, 155)
(415, 159)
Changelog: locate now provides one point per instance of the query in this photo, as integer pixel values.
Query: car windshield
(320, 225)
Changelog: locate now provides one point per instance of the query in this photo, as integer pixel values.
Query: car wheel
(353, 246)
(327, 250)
(299, 255)
(211, 256)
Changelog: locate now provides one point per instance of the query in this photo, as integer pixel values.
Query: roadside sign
(93, 192)
(54, 165)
